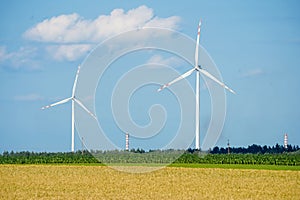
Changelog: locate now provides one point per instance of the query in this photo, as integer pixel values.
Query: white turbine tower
(74, 100)
(197, 68)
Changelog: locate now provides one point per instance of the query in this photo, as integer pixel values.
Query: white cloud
(68, 52)
(23, 58)
(74, 28)
(28, 97)
(73, 36)
(170, 61)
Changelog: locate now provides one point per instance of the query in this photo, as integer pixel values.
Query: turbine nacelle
(198, 68)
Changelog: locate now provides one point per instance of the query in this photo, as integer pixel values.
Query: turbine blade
(186, 74)
(57, 103)
(84, 108)
(75, 81)
(216, 80)
(197, 44)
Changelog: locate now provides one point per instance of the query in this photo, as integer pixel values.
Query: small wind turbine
(198, 69)
(74, 100)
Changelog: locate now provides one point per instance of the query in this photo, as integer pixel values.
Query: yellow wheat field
(98, 182)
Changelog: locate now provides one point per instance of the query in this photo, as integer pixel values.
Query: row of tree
(26, 157)
(253, 159)
(153, 156)
(254, 149)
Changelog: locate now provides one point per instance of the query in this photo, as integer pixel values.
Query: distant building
(127, 142)
(285, 142)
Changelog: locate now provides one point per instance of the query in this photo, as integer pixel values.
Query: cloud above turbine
(68, 52)
(73, 28)
(73, 35)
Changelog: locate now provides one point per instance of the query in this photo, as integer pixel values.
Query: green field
(61, 181)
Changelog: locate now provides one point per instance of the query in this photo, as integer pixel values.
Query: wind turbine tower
(197, 69)
(73, 100)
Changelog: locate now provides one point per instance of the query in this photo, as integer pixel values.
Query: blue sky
(255, 45)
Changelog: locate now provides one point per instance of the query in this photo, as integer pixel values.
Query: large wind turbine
(74, 100)
(197, 68)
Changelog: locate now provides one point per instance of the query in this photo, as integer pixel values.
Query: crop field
(101, 182)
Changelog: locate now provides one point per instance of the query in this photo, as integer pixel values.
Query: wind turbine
(74, 100)
(198, 69)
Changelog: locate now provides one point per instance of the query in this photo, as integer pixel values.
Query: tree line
(253, 154)
(26, 157)
(254, 149)
(292, 159)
